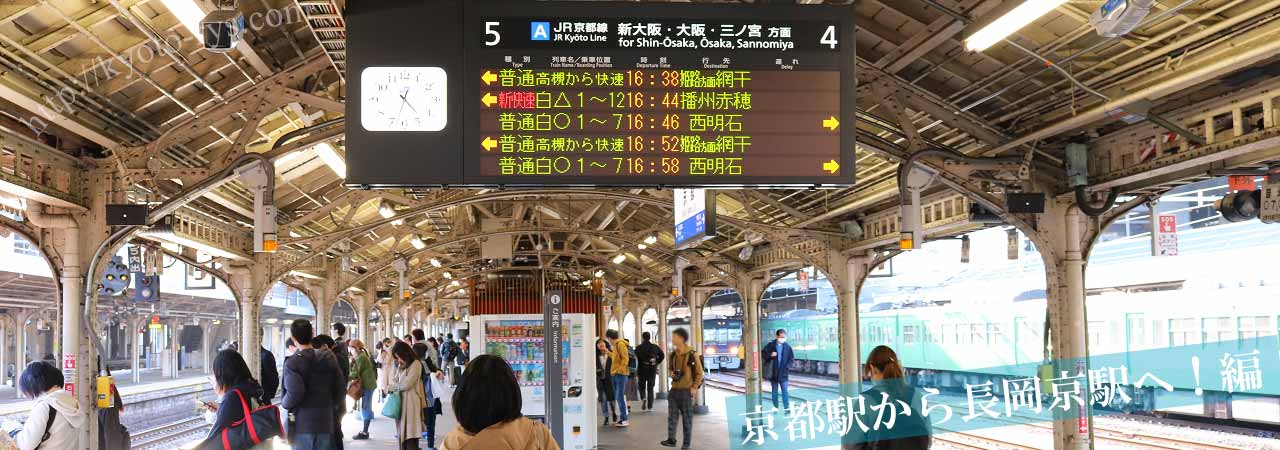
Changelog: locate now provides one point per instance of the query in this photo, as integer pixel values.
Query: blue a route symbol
(539, 31)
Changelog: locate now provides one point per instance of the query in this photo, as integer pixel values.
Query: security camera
(222, 29)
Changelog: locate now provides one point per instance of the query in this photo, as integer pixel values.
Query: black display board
(486, 93)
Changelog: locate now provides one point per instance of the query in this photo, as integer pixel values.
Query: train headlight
(733, 350)
(710, 350)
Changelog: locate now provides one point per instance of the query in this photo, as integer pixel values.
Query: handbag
(391, 407)
(767, 371)
(257, 426)
(355, 389)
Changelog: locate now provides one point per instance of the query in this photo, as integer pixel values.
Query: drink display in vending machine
(518, 339)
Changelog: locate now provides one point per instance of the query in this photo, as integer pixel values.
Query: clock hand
(405, 101)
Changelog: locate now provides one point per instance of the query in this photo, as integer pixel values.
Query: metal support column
(4, 351)
(750, 291)
(364, 305)
(20, 350)
(1072, 429)
(135, 349)
(847, 276)
(695, 330)
(206, 346)
(661, 340)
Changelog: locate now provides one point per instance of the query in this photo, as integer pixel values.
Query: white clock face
(403, 98)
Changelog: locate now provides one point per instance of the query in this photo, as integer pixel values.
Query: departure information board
(625, 94)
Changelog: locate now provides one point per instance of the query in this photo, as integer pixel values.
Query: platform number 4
(829, 37)
(492, 37)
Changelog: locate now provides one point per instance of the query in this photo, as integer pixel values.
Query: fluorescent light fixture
(417, 243)
(1010, 22)
(599, 273)
(619, 258)
(651, 239)
(294, 234)
(286, 158)
(642, 246)
(448, 275)
(397, 222)
(331, 158)
(188, 13)
(436, 263)
(386, 210)
(586, 282)
(301, 274)
(455, 283)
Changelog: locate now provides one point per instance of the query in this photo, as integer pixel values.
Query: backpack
(632, 362)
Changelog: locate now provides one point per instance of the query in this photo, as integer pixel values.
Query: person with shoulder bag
(364, 381)
(685, 368)
(54, 420)
(239, 421)
(406, 400)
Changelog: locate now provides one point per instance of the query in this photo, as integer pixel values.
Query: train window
(962, 335)
(1097, 329)
(734, 335)
(979, 332)
(1218, 329)
(997, 333)
(1159, 337)
(1137, 332)
(909, 334)
(832, 335)
(1255, 327)
(1184, 332)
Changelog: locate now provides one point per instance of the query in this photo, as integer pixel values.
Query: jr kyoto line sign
(568, 93)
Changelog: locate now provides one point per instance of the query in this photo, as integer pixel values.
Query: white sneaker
(622, 424)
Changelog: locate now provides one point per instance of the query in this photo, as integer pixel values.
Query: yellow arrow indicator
(488, 99)
(488, 77)
(488, 143)
(830, 123)
(831, 166)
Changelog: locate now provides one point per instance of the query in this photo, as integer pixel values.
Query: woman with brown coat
(487, 406)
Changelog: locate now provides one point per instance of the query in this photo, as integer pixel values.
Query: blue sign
(691, 227)
(539, 31)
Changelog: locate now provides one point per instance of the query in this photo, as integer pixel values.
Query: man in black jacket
(270, 376)
(312, 389)
(648, 356)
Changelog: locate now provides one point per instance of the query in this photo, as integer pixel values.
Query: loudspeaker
(127, 214)
(1025, 202)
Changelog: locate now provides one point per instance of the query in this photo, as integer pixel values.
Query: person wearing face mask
(777, 366)
(889, 384)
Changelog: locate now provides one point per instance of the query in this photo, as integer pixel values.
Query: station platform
(646, 431)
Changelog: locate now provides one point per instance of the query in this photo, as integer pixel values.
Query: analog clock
(403, 98)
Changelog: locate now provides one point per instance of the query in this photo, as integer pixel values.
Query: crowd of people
(321, 371)
(412, 375)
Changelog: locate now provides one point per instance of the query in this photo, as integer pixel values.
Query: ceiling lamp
(436, 263)
(619, 258)
(448, 275)
(331, 158)
(1012, 21)
(651, 239)
(642, 246)
(455, 283)
(188, 13)
(586, 282)
(417, 242)
(386, 210)
(599, 273)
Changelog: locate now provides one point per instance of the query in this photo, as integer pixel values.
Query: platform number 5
(829, 37)
(491, 30)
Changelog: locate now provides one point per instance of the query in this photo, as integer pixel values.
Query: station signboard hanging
(695, 216)
(489, 93)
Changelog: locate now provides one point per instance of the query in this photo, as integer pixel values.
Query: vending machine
(518, 339)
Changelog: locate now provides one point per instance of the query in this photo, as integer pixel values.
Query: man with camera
(686, 377)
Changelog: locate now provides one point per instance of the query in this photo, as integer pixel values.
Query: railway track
(170, 435)
(973, 441)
